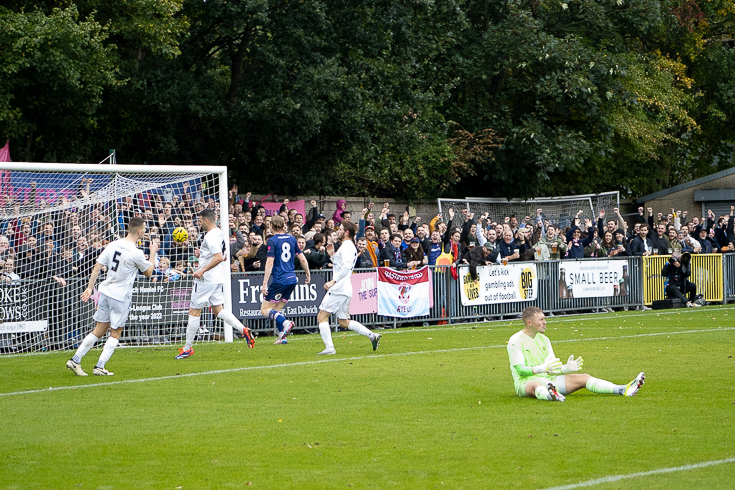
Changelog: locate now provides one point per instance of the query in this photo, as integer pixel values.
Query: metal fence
(69, 319)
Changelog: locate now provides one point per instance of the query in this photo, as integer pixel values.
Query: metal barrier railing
(69, 319)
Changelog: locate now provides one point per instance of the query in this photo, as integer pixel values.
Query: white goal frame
(219, 171)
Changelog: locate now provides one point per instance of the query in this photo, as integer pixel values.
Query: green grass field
(432, 408)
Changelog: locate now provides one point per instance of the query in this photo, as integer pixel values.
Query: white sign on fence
(499, 284)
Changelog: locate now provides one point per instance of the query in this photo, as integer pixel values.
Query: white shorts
(203, 294)
(112, 311)
(336, 304)
(559, 381)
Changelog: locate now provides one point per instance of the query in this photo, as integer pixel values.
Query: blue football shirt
(284, 249)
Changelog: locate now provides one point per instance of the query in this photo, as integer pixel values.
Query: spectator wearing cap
(415, 256)
(576, 244)
(706, 245)
(372, 245)
(621, 246)
(484, 255)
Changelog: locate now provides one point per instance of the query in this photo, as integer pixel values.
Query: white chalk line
(615, 478)
(358, 358)
(509, 323)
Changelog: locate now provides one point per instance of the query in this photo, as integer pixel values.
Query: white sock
(326, 334)
(542, 393)
(191, 331)
(107, 351)
(358, 327)
(232, 320)
(87, 344)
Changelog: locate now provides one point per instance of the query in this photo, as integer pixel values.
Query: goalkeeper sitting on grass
(538, 372)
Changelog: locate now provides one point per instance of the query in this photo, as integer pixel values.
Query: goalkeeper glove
(573, 365)
(552, 367)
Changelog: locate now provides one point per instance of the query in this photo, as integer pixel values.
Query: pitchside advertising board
(247, 298)
(15, 313)
(510, 283)
(593, 279)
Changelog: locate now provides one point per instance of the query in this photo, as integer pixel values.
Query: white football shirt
(344, 262)
(213, 243)
(123, 261)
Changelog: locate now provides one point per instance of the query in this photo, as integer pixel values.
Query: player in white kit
(209, 280)
(123, 260)
(339, 292)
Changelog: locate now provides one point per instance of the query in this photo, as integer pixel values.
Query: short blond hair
(530, 312)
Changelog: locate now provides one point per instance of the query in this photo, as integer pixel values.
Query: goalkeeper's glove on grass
(552, 367)
(573, 365)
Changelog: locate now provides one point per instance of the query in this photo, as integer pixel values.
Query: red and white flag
(6, 184)
(403, 294)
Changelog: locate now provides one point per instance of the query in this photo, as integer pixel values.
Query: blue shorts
(280, 293)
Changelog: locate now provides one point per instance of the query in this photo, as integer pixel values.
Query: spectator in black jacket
(393, 253)
(622, 249)
(658, 240)
(641, 245)
(677, 270)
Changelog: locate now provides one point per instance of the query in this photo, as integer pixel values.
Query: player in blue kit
(282, 253)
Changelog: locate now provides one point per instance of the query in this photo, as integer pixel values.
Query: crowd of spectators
(64, 242)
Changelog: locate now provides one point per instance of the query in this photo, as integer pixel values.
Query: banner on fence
(163, 303)
(246, 296)
(15, 311)
(364, 293)
(499, 284)
(593, 278)
(403, 294)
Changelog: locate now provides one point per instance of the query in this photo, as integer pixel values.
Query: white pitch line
(496, 324)
(610, 479)
(321, 361)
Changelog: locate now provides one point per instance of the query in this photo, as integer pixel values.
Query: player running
(123, 259)
(209, 281)
(339, 292)
(538, 372)
(281, 262)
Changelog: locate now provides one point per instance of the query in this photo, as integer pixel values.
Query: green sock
(604, 387)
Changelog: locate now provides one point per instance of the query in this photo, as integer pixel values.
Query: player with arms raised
(339, 292)
(281, 262)
(209, 280)
(538, 372)
(123, 260)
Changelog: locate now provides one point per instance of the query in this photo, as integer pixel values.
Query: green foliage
(320, 96)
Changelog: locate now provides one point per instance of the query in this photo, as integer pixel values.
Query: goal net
(557, 210)
(55, 221)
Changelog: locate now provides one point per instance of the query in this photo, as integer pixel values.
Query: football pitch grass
(432, 408)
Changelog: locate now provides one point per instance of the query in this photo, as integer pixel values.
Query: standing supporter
(659, 240)
(704, 242)
(551, 246)
(316, 255)
(337, 215)
(255, 259)
(641, 245)
(364, 259)
(436, 247)
(393, 254)
(622, 248)
(414, 253)
(507, 249)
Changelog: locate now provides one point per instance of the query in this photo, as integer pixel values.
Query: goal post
(55, 219)
(559, 210)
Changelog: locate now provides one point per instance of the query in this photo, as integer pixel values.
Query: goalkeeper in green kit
(538, 372)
